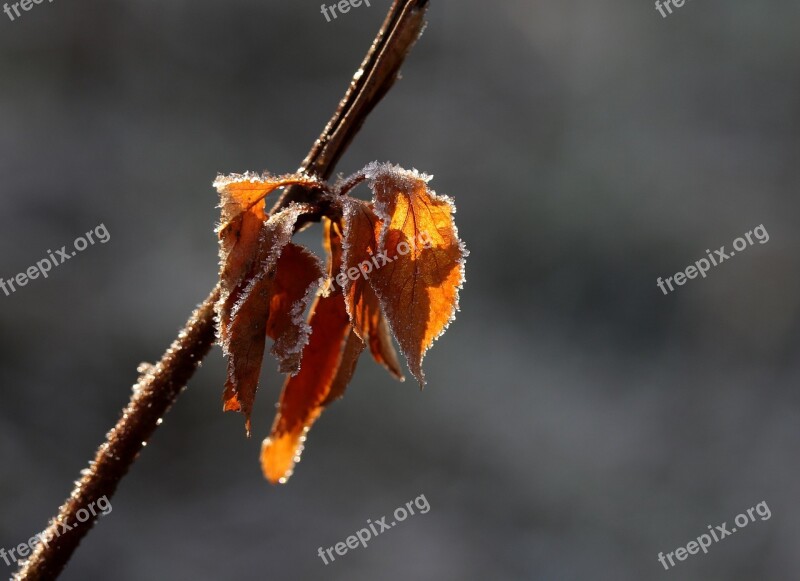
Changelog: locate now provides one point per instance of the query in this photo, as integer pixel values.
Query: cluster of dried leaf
(267, 283)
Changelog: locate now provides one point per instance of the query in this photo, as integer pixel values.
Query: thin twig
(159, 386)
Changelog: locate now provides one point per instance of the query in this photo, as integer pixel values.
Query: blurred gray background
(577, 421)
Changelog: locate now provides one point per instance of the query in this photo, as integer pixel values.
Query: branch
(160, 385)
(378, 72)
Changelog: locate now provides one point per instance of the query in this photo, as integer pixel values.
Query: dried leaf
(328, 363)
(361, 229)
(395, 267)
(243, 327)
(297, 277)
(418, 263)
(242, 217)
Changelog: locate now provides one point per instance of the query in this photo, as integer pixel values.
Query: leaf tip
(279, 455)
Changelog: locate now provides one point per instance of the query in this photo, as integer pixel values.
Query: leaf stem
(343, 187)
(159, 386)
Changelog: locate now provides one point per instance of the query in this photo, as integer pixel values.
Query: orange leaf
(395, 268)
(417, 267)
(296, 277)
(242, 216)
(328, 363)
(243, 327)
(361, 228)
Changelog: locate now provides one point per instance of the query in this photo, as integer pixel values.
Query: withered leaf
(242, 199)
(417, 263)
(361, 229)
(327, 365)
(395, 267)
(243, 327)
(297, 277)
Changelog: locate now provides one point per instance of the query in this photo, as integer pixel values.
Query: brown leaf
(328, 363)
(395, 267)
(296, 278)
(242, 217)
(351, 351)
(417, 267)
(243, 327)
(361, 228)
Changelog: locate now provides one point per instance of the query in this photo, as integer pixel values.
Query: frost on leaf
(395, 267)
(361, 229)
(327, 365)
(242, 199)
(243, 327)
(419, 260)
(296, 278)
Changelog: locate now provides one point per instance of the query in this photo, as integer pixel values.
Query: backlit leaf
(327, 365)
(297, 276)
(395, 267)
(361, 229)
(242, 217)
(243, 327)
(418, 262)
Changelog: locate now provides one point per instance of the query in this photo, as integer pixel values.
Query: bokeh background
(577, 421)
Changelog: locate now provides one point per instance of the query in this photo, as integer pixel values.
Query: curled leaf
(395, 267)
(297, 277)
(327, 365)
(361, 228)
(418, 260)
(242, 199)
(243, 327)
